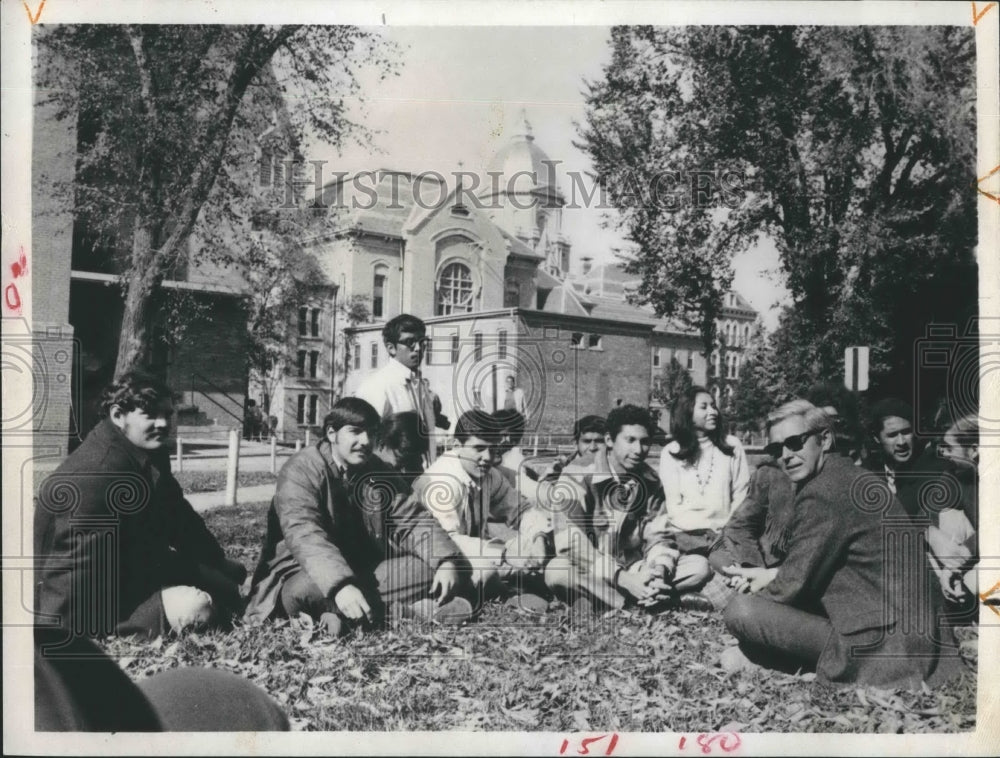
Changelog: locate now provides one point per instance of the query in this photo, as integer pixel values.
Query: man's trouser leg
(776, 635)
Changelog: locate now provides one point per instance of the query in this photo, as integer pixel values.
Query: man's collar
(325, 448)
(458, 469)
(398, 369)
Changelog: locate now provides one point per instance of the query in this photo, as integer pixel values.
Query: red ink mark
(38, 13)
(611, 745)
(586, 742)
(983, 179)
(977, 16)
(20, 266)
(991, 604)
(726, 741)
(11, 298)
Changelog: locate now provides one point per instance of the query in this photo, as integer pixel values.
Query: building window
(478, 337)
(746, 334)
(309, 322)
(576, 339)
(313, 408)
(303, 322)
(308, 409)
(454, 348)
(375, 355)
(656, 357)
(511, 293)
(594, 342)
(265, 168)
(313, 363)
(690, 361)
(314, 323)
(454, 291)
(357, 355)
(300, 363)
(378, 294)
(502, 344)
(300, 416)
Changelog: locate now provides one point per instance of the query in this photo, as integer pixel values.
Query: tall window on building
(313, 408)
(265, 168)
(378, 292)
(478, 337)
(511, 293)
(454, 290)
(502, 344)
(656, 357)
(594, 341)
(576, 339)
(314, 322)
(357, 355)
(313, 363)
(303, 322)
(300, 416)
(689, 361)
(374, 349)
(454, 348)
(301, 363)
(308, 410)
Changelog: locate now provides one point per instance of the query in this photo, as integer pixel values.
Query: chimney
(586, 264)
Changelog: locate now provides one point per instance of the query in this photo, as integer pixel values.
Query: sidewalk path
(206, 501)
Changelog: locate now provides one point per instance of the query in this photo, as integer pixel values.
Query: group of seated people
(810, 557)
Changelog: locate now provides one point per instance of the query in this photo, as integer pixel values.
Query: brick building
(490, 275)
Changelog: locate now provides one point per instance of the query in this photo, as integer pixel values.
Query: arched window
(379, 291)
(454, 290)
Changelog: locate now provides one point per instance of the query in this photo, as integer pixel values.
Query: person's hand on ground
(352, 603)
(446, 582)
(186, 606)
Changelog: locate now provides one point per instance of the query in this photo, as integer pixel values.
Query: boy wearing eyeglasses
(398, 386)
(841, 602)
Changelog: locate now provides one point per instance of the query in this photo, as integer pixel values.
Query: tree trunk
(140, 284)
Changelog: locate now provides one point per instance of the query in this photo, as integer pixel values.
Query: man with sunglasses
(835, 603)
(398, 387)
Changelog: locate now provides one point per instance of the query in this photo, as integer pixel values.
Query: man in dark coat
(346, 537)
(120, 548)
(844, 600)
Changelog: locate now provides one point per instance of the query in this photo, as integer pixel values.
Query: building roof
(521, 157)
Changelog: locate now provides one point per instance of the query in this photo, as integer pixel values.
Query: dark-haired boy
(606, 549)
(121, 550)
(346, 538)
(475, 503)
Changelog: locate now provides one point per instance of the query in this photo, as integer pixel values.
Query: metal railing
(218, 390)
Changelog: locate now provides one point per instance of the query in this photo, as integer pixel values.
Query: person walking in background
(398, 385)
(514, 399)
(705, 477)
(156, 567)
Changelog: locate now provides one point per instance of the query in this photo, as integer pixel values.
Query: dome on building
(527, 162)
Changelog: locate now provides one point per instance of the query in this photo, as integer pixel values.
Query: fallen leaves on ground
(625, 671)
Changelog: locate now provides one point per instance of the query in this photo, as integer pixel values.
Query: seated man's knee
(739, 613)
(693, 571)
(185, 606)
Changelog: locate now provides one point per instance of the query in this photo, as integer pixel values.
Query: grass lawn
(508, 671)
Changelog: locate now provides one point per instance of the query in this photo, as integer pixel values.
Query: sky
(457, 98)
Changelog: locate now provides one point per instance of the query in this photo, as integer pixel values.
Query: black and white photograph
(512, 378)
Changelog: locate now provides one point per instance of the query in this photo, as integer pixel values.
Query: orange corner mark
(983, 179)
(990, 591)
(38, 13)
(977, 16)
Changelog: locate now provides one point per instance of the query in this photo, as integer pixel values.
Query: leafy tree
(857, 148)
(158, 108)
(673, 382)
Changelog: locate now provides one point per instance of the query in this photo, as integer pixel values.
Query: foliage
(673, 382)
(856, 152)
(168, 120)
(511, 672)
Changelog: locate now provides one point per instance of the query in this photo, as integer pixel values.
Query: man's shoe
(733, 661)
(528, 602)
(695, 601)
(333, 625)
(455, 612)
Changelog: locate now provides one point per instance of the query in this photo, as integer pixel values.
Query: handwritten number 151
(585, 744)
